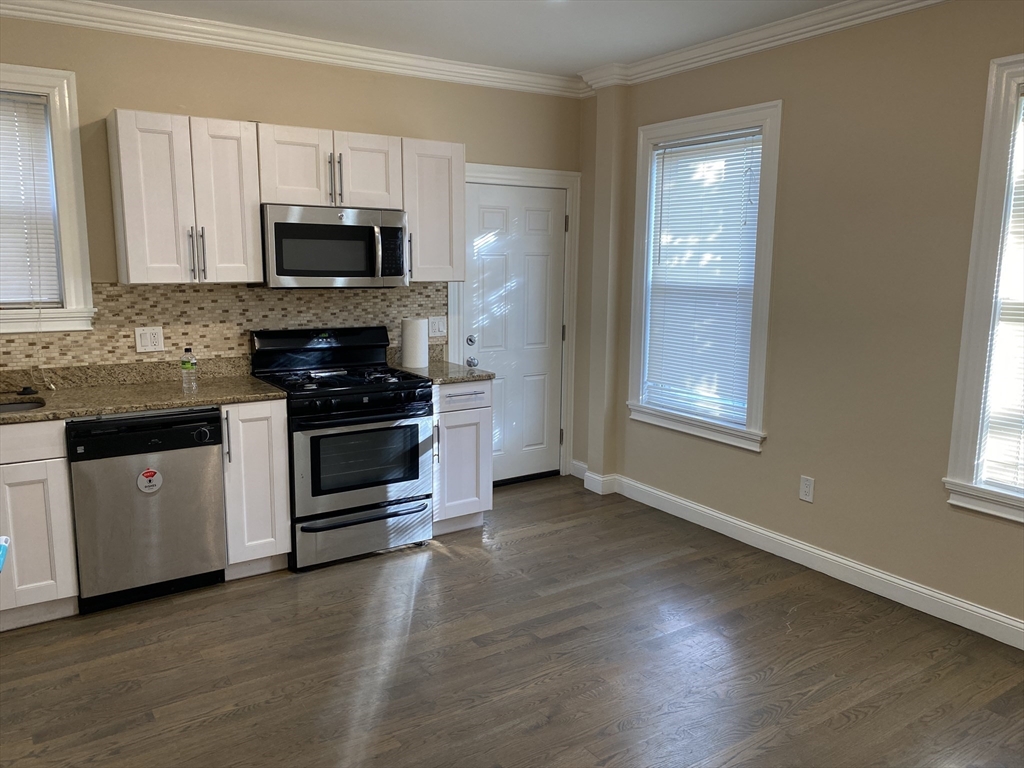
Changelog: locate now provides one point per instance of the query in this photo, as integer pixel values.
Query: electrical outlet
(149, 339)
(807, 489)
(438, 326)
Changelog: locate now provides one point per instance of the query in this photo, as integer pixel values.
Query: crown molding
(134, 21)
(833, 18)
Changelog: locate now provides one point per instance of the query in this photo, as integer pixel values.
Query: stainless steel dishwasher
(148, 495)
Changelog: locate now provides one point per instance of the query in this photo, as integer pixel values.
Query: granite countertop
(73, 402)
(443, 372)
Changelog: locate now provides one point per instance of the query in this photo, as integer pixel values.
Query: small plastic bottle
(189, 371)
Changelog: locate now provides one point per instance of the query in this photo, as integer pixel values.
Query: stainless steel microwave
(308, 246)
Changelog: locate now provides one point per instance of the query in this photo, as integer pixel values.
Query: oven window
(325, 250)
(353, 460)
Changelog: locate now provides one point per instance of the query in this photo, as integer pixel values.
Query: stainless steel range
(362, 442)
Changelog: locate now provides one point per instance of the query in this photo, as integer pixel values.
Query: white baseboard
(451, 525)
(578, 469)
(12, 618)
(255, 567)
(602, 484)
(964, 613)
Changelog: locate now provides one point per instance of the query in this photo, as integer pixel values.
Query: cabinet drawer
(459, 397)
(34, 441)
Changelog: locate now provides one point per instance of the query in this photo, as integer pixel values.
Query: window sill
(43, 320)
(741, 438)
(986, 500)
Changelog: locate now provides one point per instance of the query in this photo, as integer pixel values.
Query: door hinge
(561, 436)
(567, 222)
(563, 333)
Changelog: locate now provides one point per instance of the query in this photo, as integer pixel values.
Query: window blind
(29, 251)
(701, 248)
(1001, 447)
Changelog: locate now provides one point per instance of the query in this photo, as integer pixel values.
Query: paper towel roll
(414, 342)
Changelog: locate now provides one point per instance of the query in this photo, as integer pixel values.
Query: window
(705, 214)
(986, 462)
(44, 258)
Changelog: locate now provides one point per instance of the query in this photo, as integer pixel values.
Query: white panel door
(226, 176)
(370, 169)
(153, 196)
(35, 512)
(512, 318)
(434, 190)
(466, 481)
(256, 480)
(296, 165)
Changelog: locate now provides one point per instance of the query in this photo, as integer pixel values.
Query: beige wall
(497, 126)
(881, 137)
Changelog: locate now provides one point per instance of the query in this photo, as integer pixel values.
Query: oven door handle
(381, 420)
(335, 525)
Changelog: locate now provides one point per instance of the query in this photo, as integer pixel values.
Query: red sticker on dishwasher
(150, 480)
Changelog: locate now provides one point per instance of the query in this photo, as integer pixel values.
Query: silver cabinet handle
(467, 394)
(410, 253)
(330, 174)
(341, 181)
(202, 239)
(227, 434)
(192, 252)
(437, 442)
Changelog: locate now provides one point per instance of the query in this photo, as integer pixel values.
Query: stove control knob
(318, 405)
(202, 435)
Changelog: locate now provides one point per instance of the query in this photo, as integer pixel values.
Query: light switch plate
(149, 339)
(438, 326)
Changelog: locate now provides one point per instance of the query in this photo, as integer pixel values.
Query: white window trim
(76, 315)
(768, 117)
(1005, 78)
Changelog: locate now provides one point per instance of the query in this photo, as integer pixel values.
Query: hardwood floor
(574, 630)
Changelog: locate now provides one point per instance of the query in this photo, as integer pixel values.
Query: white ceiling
(555, 37)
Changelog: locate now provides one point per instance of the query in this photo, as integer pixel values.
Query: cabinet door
(370, 171)
(465, 463)
(154, 211)
(434, 182)
(256, 480)
(225, 173)
(35, 511)
(296, 165)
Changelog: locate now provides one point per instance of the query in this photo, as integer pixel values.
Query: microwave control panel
(392, 252)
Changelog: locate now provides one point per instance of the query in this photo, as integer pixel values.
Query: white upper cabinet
(434, 181)
(297, 165)
(225, 174)
(256, 480)
(154, 211)
(370, 170)
(186, 198)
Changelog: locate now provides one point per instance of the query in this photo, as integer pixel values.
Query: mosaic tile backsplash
(215, 320)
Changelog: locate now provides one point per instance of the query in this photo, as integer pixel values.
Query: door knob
(472, 362)
(471, 340)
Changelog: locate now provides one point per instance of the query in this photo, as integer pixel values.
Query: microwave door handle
(380, 252)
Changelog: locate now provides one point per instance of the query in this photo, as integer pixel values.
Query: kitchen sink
(24, 405)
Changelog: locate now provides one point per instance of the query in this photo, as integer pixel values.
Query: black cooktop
(338, 380)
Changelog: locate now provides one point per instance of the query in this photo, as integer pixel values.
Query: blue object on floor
(4, 543)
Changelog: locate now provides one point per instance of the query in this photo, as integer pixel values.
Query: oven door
(339, 465)
(322, 247)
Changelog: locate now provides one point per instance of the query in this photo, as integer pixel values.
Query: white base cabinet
(464, 471)
(256, 480)
(35, 512)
